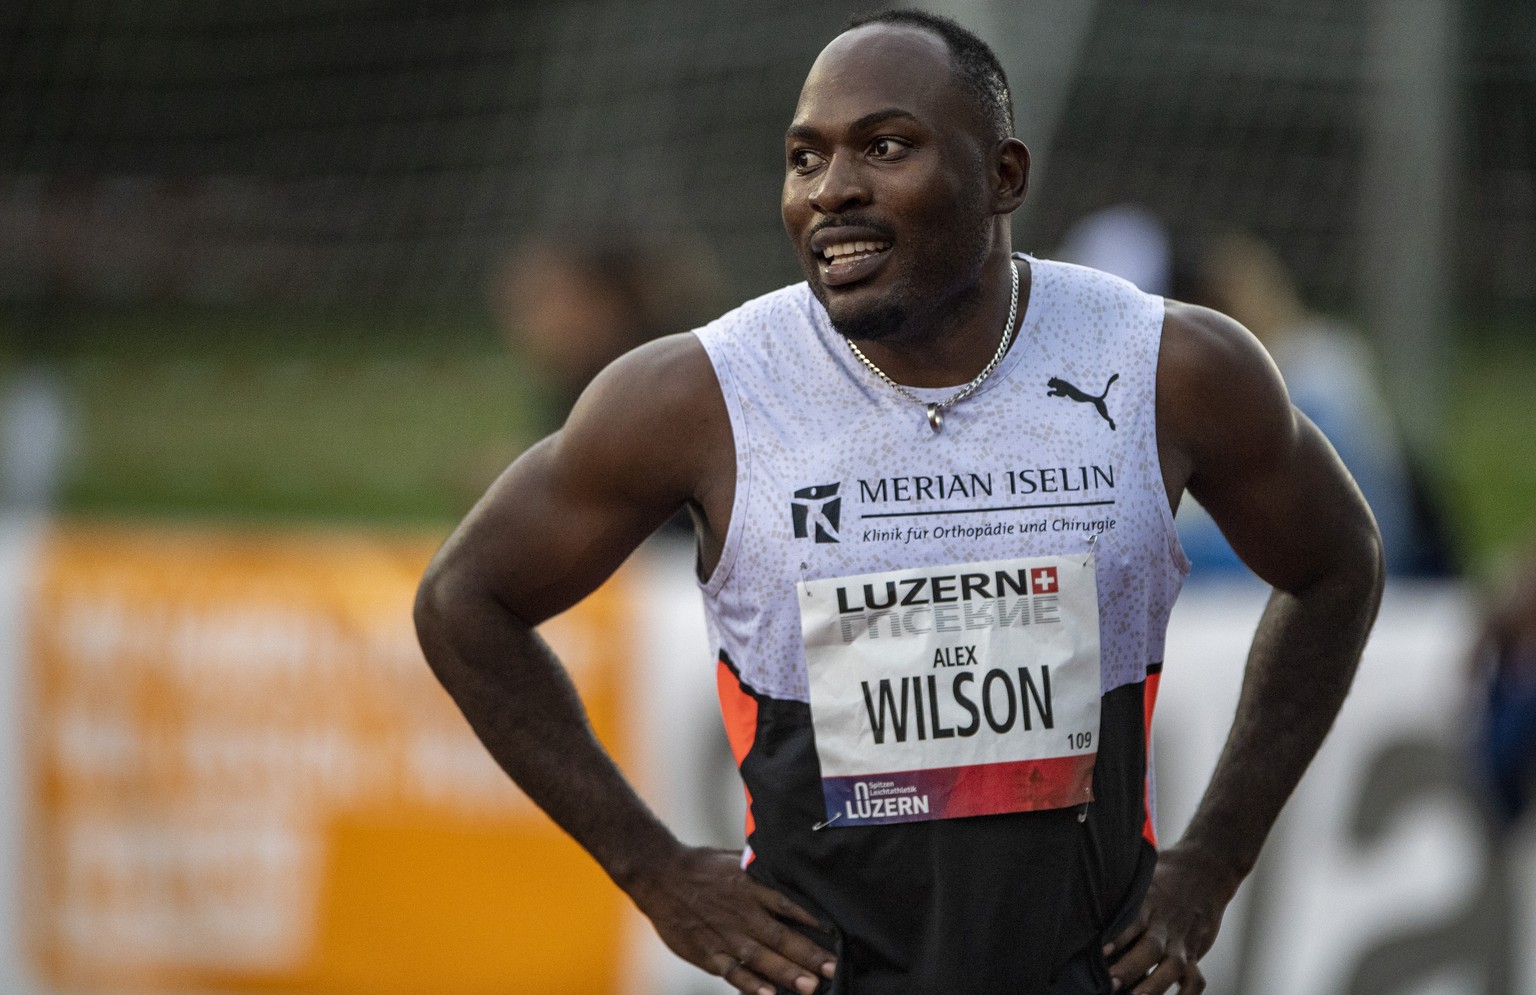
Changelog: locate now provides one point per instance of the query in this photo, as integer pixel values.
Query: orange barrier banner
(245, 778)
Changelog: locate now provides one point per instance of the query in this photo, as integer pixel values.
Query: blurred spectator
(1124, 239)
(1504, 679)
(570, 306)
(1329, 370)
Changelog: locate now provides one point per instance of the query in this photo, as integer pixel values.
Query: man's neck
(949, 344)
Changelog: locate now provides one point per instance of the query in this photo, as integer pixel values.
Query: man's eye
(803, 160)
(887, 148)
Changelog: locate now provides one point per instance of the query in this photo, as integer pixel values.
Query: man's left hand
(1175, 928)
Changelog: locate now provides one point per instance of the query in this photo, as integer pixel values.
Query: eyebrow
(867, 121)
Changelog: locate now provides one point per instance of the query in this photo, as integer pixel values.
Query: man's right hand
(717, 917)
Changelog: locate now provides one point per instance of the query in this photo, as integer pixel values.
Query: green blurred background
(270, 425)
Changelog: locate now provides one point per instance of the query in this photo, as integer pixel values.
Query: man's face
(886, 194)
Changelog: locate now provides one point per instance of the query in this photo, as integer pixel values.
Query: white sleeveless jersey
(838, 475)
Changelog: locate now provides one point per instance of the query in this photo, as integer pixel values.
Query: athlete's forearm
(523, 706)
(1302, 662)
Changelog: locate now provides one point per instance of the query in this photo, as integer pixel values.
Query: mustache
(853, 221)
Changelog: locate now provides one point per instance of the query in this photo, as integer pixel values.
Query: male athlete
(933, 489)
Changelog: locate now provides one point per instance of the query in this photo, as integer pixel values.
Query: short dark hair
(976, 65)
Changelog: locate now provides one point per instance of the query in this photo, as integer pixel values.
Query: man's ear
(1010, 175)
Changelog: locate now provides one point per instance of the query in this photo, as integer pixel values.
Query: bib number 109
(1079, 740)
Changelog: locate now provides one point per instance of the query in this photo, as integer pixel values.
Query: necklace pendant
(935, 418)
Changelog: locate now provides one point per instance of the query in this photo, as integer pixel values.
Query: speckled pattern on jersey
(839, 475)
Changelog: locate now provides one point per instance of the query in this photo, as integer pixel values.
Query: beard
(904, 314)
(938, 281)
(883, 320)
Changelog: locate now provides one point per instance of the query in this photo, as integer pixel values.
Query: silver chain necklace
(936, 408)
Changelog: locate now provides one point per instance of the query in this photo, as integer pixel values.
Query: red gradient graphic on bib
(955, 792)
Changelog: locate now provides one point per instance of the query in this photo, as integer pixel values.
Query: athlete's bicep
(1262, 470)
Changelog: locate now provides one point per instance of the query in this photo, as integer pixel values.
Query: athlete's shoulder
(1217, 387)
(666, 369)
(655, 418)
(1208, 349)
(670, 371)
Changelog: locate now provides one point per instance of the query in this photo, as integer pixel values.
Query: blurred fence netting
(377, 152)
(358, 151)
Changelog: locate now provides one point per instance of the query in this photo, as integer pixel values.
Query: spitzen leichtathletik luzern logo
(1061, 388)
(816, 512)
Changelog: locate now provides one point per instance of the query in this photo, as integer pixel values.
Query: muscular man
(933, 489)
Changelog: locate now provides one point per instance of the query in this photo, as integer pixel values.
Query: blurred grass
(256, 415)
(385, 438)
(398, 420)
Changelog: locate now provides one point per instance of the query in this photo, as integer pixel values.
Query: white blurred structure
(1124, 239)
(34, 438)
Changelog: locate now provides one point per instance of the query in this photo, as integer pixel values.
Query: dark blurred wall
(371, 153)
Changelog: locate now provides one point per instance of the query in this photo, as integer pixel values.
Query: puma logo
(1060, 388)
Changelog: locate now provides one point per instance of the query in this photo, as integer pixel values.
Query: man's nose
(842, 185)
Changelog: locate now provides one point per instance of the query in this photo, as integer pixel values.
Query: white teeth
(834, 252)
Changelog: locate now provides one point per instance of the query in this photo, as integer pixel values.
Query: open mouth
(848, 262)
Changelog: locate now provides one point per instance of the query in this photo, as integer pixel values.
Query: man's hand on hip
(715, 916)
(1175, 928)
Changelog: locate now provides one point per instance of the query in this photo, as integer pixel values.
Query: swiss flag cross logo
(1042, 580)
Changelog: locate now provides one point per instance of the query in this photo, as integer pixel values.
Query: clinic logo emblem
(1061, 388)
(817, 512)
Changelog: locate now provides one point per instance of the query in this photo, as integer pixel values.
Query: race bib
(951, 691)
